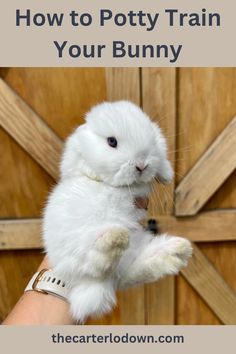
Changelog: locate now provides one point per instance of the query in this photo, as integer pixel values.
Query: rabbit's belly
(78, 214)
(138, 240)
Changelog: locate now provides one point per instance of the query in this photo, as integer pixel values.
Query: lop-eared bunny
(92, 233)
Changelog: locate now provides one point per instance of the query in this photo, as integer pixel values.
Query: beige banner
(117, 33)
(117, 339)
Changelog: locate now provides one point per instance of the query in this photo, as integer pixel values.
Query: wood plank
(62, 96)
(24, 184)
(123, 84)
(208, 174)
(31, 132)
(213, 226)
(160, 301)
(191, 309)
(208, 283)
(19, 266)
(20, 234)
(159, 101)
(209, 226)
(206, 103)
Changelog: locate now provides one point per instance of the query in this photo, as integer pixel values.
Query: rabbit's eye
(112, 141)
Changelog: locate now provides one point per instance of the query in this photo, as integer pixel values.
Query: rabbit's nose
(141, 167)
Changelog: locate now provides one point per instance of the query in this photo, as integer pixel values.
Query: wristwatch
(47, 282)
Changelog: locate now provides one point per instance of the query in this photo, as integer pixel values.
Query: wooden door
(40, 107)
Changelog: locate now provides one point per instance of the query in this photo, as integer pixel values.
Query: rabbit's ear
(165, 171)
(71, 154)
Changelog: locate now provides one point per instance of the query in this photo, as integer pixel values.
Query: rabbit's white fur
(92, 233)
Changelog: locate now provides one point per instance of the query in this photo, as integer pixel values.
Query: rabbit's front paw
(115, 238)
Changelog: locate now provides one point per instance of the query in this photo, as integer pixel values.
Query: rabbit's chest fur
(78, 211)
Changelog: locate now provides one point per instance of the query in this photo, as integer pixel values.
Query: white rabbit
(91, 231)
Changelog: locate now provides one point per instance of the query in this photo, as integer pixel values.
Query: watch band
(47, 282)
